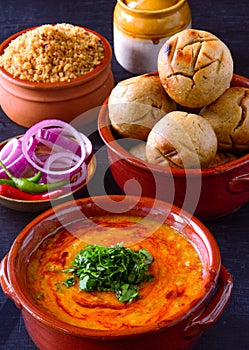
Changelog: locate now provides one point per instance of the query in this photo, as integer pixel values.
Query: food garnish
(14, 193)
(115, 269)
(53, 152)
(26, 185)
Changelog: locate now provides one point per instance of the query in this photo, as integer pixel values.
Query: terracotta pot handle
(214, 308)
(4, 281)
(239, 184)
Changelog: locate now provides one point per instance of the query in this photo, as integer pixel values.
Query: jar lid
(150, 5)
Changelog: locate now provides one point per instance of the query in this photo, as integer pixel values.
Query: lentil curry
(177, 274)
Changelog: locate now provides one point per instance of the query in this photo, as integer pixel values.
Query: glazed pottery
(141, 28)
(49, 333)
(206, 193)
(27, 103)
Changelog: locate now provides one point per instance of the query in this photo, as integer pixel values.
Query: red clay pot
(27, 103)
(207, 193)
(48, 333)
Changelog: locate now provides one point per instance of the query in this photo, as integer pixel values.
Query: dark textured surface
(227, 19)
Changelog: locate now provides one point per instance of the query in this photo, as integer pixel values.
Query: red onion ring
(71, 149)
(77, 179)
(61, 162)
(57, 141)
(89, 148)
(33, 145)
(13, 158)
(66, 129)
(53, 137)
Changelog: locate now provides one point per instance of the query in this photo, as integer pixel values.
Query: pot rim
(178, 215)
(152, 13)
(57, 85)
(104, 127)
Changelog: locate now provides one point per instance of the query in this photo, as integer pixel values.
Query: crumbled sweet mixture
(53, 53)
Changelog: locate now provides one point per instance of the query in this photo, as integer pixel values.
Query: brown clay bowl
(40, 205)
(27, 103)
(207, 193)
(180, 333)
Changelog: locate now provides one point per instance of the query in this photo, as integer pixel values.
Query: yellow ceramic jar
(141, 27)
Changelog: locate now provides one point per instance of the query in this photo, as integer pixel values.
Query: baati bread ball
(195, 67)
(136, 104)
(229, 117)
(222, 158)
(182, 140)
(139, 151)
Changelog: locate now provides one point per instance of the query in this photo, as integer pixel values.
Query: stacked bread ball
(186, 114)
(195, 68)
(136, 104)
(229, 117)
(182, 140)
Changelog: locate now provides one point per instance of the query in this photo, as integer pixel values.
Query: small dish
(40, 205)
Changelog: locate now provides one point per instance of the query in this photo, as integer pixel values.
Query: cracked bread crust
(222, 158)
(139, 151)
(136, 104)
(195, 68)
(182, 140)
(229, 117)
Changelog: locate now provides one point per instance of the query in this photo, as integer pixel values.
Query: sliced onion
(66, 155)
(89, 148)
(10, 149)
(57, 141)
(61, 160)
(33, 144)
(64, 129)
(12, 157)
(52, 137)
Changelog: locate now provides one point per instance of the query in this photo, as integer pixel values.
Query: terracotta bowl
(26, 102)
(207, 193)
(49, 333)
(40, 205)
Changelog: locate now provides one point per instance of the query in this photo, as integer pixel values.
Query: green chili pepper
(9, 182)
(26, 185)
(36, 177)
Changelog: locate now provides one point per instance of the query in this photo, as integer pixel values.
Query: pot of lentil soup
(68, 272)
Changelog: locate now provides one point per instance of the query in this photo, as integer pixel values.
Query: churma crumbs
(53, 53)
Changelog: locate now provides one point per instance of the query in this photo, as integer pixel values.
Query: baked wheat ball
(139, 151)
(181, 140)
(222, 158)
(229, 117)
(136, 104)
(195, 67)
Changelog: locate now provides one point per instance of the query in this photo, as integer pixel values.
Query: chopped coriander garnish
(116, 269)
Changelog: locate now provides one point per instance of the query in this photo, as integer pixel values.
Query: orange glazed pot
(180, 333)
(27, 103)
(206, 193)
